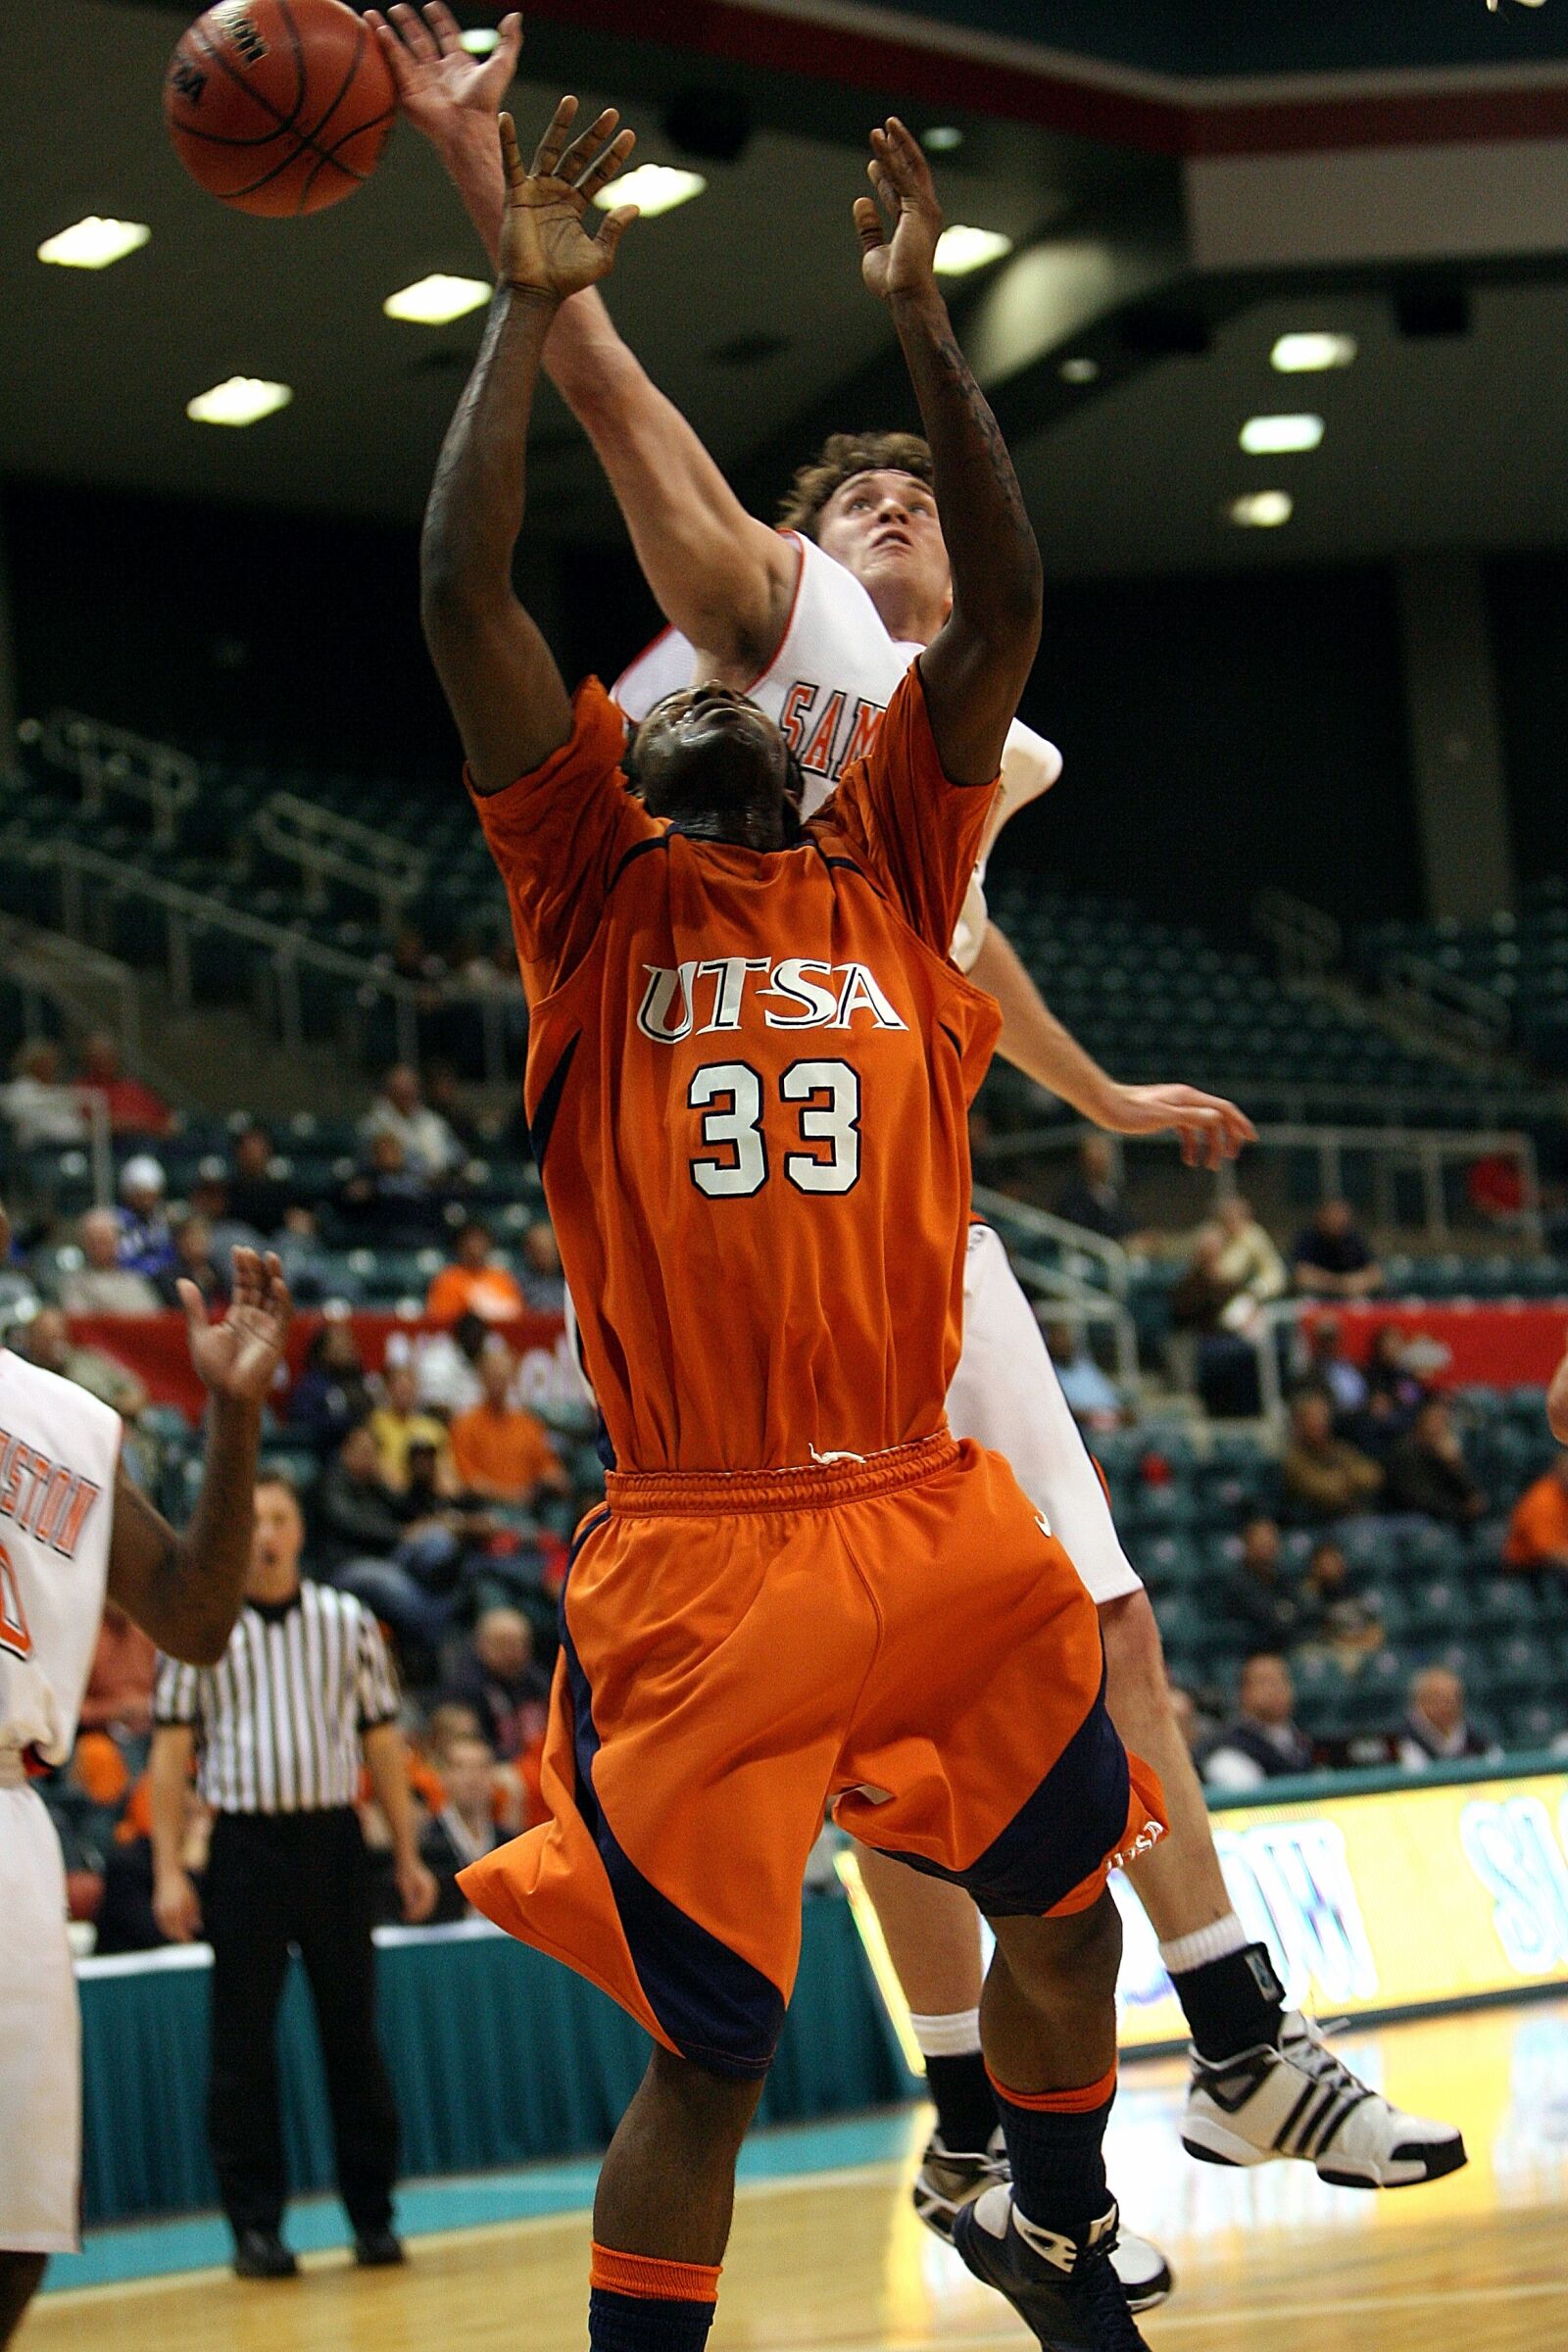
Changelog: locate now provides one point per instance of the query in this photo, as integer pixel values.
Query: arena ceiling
(1086, 134)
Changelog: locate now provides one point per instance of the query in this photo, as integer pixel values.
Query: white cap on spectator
(143, 1174)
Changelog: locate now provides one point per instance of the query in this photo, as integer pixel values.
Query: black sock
(1059, 2164)
(1232, 2004)
(965, 2103)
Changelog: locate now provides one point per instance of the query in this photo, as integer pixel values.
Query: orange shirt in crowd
(488, 1290)
(502, 1452)
(1539, 1523)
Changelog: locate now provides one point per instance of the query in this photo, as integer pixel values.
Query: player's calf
(21, 2275)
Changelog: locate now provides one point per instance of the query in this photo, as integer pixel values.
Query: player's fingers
(445, 30)
(547, 153)
(596, 157)
(586, 147)
(415, 31)
(868, 224)
(887, 189)
(194, 1305)
(614, 226)
(511, 155)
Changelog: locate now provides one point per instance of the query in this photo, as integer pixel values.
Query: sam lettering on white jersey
(826, 689)
(59, 1453)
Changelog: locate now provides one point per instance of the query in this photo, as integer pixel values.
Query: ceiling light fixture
(653, 188)
(942, 138)
(1081, 369)
(238, 400)
(480, 40)
(1280, 436)
(1261, 509)
(960, 250)
(1306, 354)
(436, 300)
(93, 243)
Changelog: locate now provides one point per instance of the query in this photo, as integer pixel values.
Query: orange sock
(639, 2303)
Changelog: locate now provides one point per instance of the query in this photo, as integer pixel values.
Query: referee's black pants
(273, 1879)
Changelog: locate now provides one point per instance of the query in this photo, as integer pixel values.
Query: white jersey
(827, 687)
(58, 1451)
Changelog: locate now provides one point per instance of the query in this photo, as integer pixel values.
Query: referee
(280, 1723)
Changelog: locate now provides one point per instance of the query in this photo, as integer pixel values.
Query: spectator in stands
(1537, 1530)
(1249, 1261)
(1334, 1616)
(1557, 1403)
(119, 1699)
(1199, 1731)
(102, 1286)
(500, 1452)
(40, 1109)
(193, 1262)
(389, 1205)
(544, 1286)
(331, 1395)
(446, 1364)
(133, 1109)
(1333, 1370)
(496, 1677)
(383, 1547)
(1263, 1741)
(398, 1423)
(465, 1826)
(1091, 1398)
(1092, 1197)
(1332, 1258)
(1201, 1303)
(1266, 1611)
(257, 1199)
(445, 1096)
(1428, 1473)
(1323, 1476)
(429, 1147)
(1437, 1729)
(1394, 1391)
(475, 1283)
(146, 1243)
(47, 1342)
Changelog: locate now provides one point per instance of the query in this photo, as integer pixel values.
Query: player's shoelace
(1106, 2299)
(1331, 2095)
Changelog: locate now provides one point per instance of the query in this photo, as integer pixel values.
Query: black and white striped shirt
(279, 1720)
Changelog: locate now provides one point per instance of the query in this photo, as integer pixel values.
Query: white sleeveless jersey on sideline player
(827, 686)
(58, 1452)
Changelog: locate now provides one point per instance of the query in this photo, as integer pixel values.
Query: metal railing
(1423, 1151)
(329, 847)
(1042, 1224)
(290, 959)
(1306, 942)
(113, 759)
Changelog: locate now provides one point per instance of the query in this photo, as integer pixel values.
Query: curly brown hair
(841, 457)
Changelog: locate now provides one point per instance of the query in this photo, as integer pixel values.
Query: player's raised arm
(184, 1589)
(500, 675)
(724, 579)
(975, 670)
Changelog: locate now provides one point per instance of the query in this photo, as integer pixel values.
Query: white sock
(956, 2035)
(1225, 1936)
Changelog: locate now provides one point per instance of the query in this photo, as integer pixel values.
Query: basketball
(279, 106)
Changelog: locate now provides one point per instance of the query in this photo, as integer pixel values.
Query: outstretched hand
(1209, 1130)
(238, 1357)
(899, 225)
(545, 248)
(441, 88)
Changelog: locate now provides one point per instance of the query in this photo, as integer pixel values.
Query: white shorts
(1006, 1397)
(41, 2037)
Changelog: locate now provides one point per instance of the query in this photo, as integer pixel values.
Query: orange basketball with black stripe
(280, 107)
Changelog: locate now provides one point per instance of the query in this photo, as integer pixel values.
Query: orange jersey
(747, 1084)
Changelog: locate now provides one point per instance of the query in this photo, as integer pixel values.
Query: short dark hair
(843, 455)
(279, 1478)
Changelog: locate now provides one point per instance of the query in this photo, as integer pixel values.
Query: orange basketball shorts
(898, 1641)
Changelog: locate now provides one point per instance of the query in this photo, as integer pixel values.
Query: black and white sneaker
(1303, 2100)
(945, 2182)
(1061, 2285)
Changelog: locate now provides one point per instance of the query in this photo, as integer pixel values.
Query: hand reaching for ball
(546, 248)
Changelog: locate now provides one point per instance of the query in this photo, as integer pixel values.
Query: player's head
(277, 1537)
(714, 764)
(866, 499)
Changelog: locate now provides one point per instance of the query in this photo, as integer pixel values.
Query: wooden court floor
(837, 2263)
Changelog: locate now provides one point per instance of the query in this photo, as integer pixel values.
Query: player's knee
(1135, 1657)
(1073, 1959)
(718, 2106)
